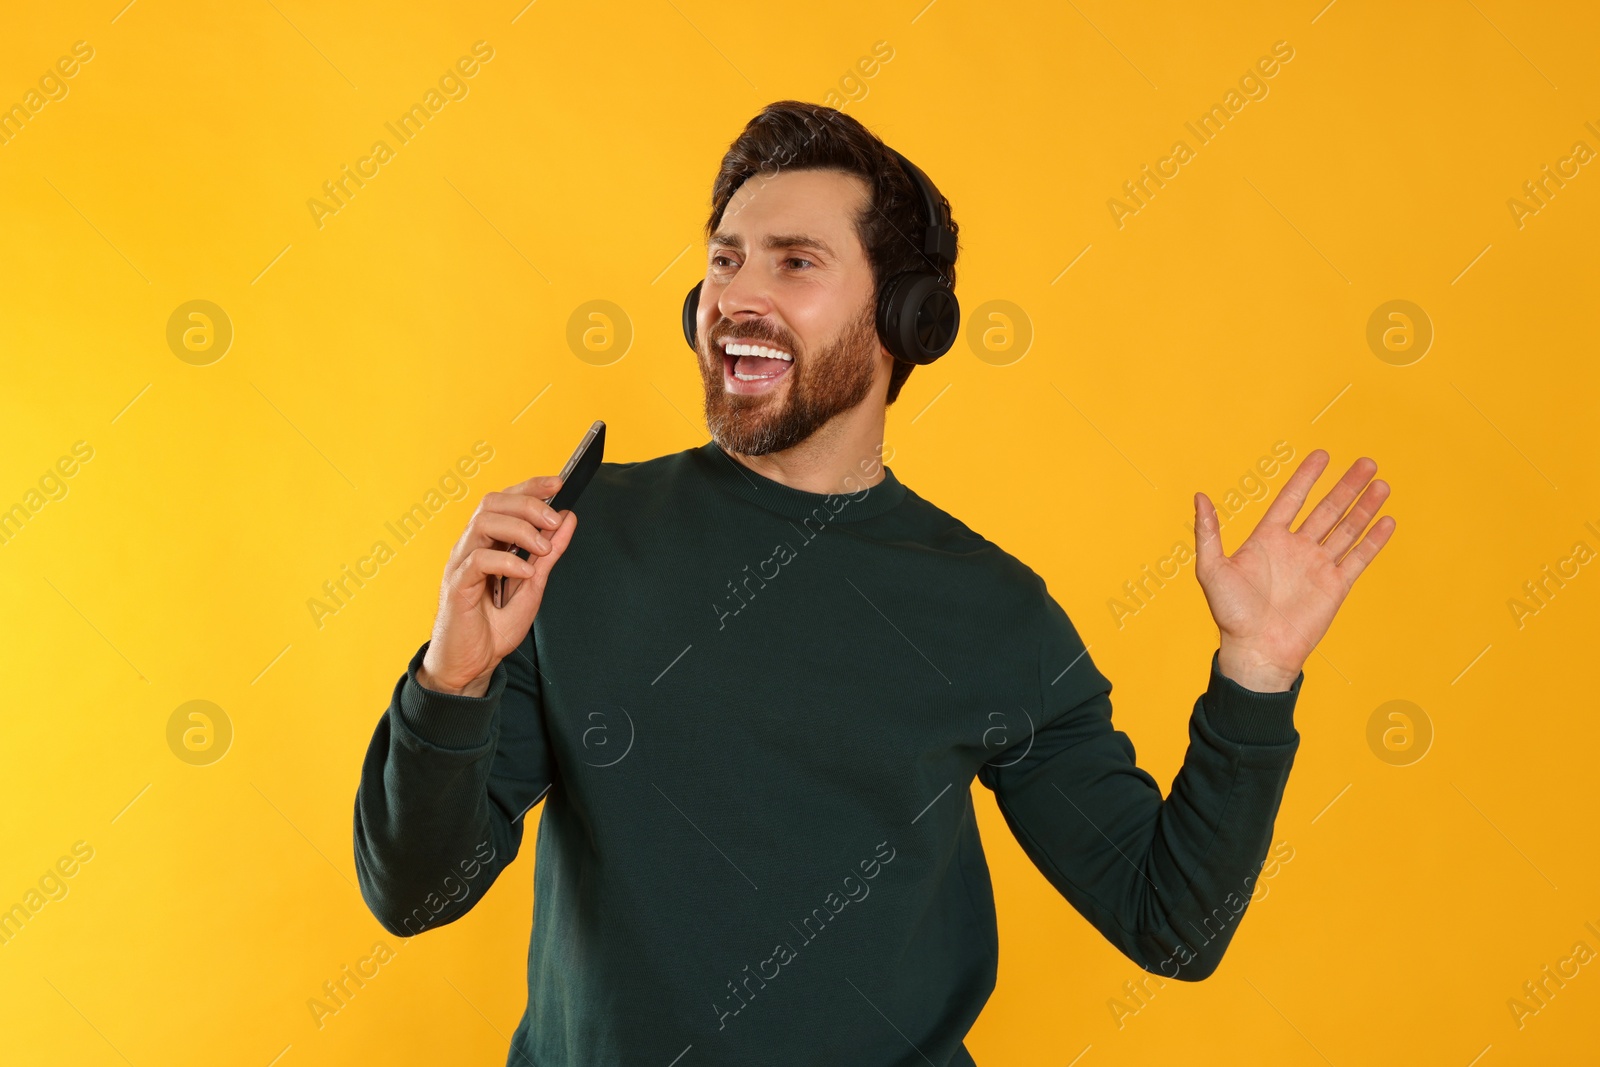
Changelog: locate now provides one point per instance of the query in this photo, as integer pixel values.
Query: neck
(841, 457)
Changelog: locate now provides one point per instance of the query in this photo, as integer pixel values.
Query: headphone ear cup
(919, 317)
(691, 312)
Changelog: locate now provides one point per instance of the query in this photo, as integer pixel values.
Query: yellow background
(1228, 314)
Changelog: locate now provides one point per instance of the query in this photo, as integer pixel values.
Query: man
(755, 695)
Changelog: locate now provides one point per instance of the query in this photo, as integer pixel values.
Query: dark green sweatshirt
(753, 716)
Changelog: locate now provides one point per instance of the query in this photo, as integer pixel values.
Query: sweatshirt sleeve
(1166, 881)
(445, 785)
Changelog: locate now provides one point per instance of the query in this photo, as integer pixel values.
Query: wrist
(476, 687)
(1253, 671)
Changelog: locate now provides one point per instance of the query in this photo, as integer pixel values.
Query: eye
(799, 259)
(719, 260)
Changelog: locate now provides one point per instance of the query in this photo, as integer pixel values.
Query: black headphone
(918, 315)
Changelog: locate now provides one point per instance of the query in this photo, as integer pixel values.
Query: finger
(1293, 494)
(468, 579)
(1326, 513)
(530, 590)
(558, 545)
(513, 506)
(542, 485)
(528, 507)
(503, 531)
(1353, 564)
(1207, 533)
(1350, 527)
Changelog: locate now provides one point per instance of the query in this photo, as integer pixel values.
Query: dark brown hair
(792, 135)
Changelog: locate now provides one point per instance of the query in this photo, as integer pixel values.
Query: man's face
(786, 271)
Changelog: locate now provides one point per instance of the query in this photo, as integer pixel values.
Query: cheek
(706, 316)
(814, 323)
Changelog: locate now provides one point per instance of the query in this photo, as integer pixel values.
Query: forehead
(820, 203)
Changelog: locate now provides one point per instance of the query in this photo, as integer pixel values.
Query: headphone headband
(938, 239)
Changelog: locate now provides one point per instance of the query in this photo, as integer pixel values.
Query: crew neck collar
(793, 503)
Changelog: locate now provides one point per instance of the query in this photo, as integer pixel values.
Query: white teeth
(736, 349)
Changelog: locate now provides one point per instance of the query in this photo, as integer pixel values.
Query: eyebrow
(775, 241)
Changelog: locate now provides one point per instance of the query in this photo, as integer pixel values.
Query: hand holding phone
(582, 464)
(469, 640)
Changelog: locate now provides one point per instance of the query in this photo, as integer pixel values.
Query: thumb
(1207, 534)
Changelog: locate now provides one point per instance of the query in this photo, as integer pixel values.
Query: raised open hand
(1276, 596)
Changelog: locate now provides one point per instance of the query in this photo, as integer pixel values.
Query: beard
(835, 379)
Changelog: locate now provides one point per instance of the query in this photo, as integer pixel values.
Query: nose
(746, 296)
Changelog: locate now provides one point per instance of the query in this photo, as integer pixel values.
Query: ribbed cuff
(1245, 716)
(449, 720)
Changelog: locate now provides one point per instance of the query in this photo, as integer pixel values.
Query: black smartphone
(575, 477)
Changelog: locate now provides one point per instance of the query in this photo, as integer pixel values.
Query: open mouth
(752, 367)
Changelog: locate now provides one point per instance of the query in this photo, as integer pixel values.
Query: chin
(759, 440)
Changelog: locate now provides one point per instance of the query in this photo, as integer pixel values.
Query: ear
(886, 361)
(884, 373)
